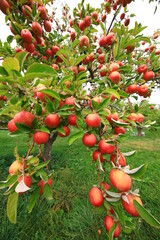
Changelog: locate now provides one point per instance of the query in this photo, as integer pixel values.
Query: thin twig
(114, 17)
(40, 151)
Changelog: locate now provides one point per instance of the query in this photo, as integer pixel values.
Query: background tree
(76, 72)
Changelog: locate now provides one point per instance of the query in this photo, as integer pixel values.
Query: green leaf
(104, 103)
(42, 165)
(35, 123)
(75, 43)
(33, 199)
(44, 129)
(39, 70)
(76, 28)
(74, 137)
(23, 128)
(3, 71)
(38, 108)
(148, 217)
(48, 192)
(21, 56)
(10, 38)
(137, 172)
(111, 231)
(112, 92)
(51, 93)
(12, 179)
(10, 64)
(79, 59)
(12, 207)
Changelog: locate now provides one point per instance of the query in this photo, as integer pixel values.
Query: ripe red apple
(115, 77)
(55, 49)
(108, 224)
(142, 69)
(95, 15)
(113, 67)
(42, 183)
(130, 208)
(81, 69)
(5, 6)
(121, 160)
(43, 14)
(133, 88)
(15, 166)
(72, 35)
(27, 180)
(113, 158)
(82, 25)
(148, 75)
(119, 130)
(103, 41)
(70, 101)
(127, 22)
(26, 35)
(95, 197)
(11, 126)
(41, 137)
(74, 69)
(47, 26)
(95, 155)
(140, 118)
(122, 16)
(120, 180)
(72, 120)
(36, 28)
(67, 132)
(55, 66)
(24, 117)
(104, 18)
(143, 90)
(52, 120)
(89, 140)
(93, 120)
(71, 22)
(25, 13)
(87, 20)
(106, 148)
(110, 38)
(101, 58)
(84, 41)
(30, 47)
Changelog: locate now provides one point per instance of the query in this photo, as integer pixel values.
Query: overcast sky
(144, 14)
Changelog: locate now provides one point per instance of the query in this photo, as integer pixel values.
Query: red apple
(115, 77)
(108, 224)
(129, 207)
(96, 154)
(42, 183)
(11, 126)
(52, 120)
(84, 41)
(67, 132)
(106, 148)
(24, 117)
(120, 180)
(26, 35)
(89, 140)
(95, 197)
(41, 137)
(93, 120)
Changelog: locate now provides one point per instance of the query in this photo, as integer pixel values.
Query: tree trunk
(48, 147)
(139, 129)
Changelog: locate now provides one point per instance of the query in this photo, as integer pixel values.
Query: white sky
(144, 14)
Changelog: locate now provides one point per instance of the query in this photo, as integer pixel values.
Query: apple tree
(76, 74)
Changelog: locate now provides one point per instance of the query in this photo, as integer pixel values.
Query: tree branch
(114, 17)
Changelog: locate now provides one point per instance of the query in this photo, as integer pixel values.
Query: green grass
(72, 216)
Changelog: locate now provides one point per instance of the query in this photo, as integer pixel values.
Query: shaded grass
(71, 216)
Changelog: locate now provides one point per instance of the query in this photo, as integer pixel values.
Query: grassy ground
(72, 216)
